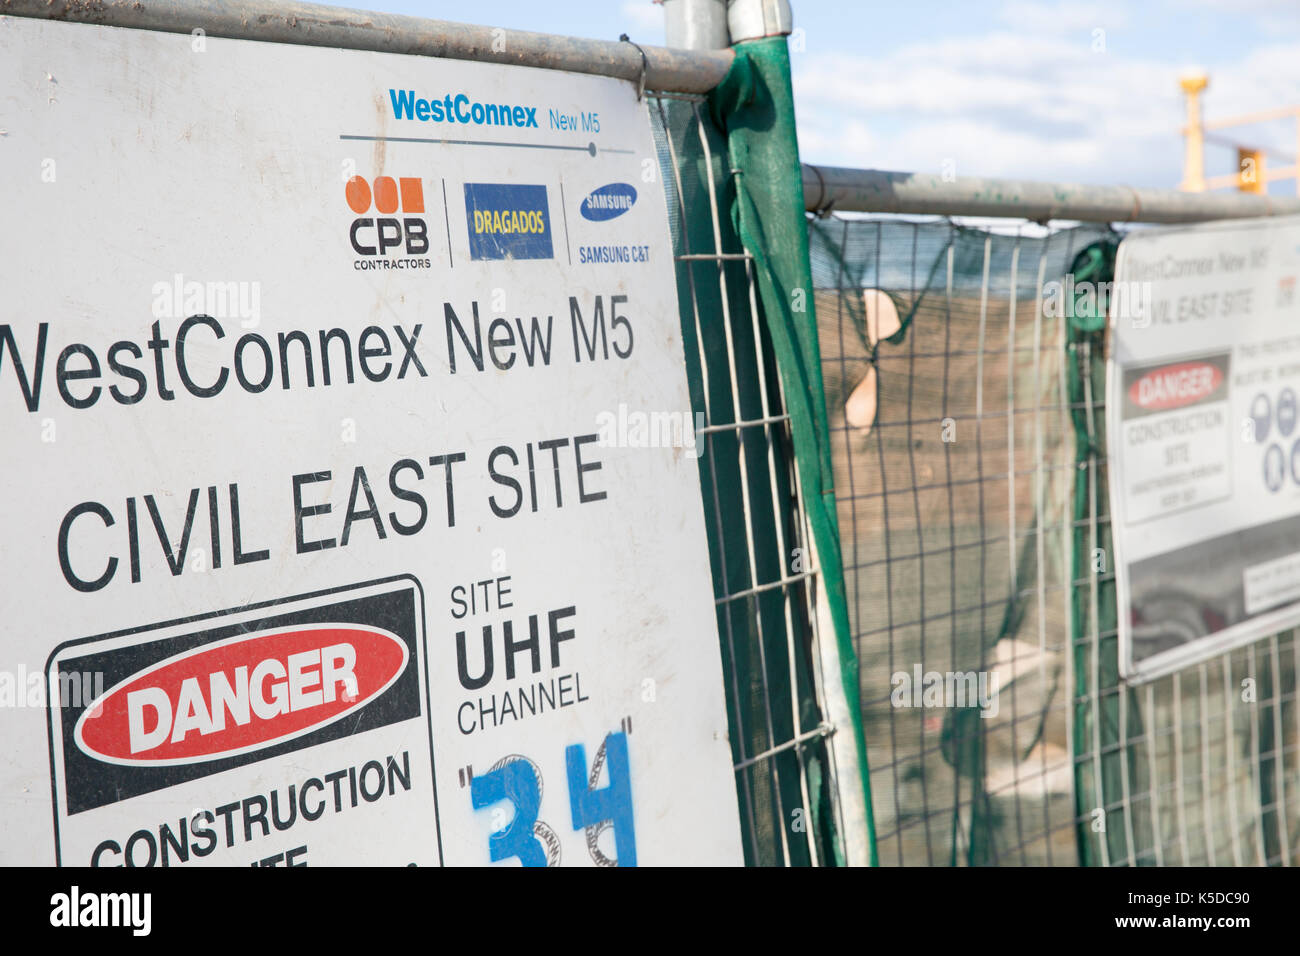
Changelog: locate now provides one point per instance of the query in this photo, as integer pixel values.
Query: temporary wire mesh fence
(967, 421)
(1194, 768)
(785, 774)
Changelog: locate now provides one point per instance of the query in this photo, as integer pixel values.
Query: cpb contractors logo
(380, 239)
(508, 221)
(608, 202)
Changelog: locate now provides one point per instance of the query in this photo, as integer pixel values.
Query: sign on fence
(1203, 443)
(350, 497)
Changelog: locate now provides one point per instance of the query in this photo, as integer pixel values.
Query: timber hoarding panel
(282, 292)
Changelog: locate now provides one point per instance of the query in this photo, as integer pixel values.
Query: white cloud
(1031, 104)
(1029, 17)
(1285, 8)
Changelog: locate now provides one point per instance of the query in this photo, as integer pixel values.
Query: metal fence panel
(786, 775)
(970, 477)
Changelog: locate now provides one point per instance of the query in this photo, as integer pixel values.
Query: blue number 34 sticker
(592, 809)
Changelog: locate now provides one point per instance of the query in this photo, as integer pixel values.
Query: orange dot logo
(357, 192)
(388, 195)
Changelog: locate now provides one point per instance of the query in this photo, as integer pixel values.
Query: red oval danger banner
(240, 695)
(1173, 386)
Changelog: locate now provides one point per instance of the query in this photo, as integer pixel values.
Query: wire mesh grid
(764, 585)
(1200, 767)
(972, 506)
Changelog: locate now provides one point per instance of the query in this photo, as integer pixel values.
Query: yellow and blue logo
(508, 221)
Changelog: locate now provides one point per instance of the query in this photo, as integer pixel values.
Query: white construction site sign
(1202, 437)
(334, 532)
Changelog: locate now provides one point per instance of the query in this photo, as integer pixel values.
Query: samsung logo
(608, 202)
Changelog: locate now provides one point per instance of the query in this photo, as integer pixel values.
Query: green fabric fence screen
(731, 167)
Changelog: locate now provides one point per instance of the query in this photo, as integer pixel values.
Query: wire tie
(645, 65)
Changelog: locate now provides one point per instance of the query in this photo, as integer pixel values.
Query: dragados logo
(508, 221)
(608, 202)
(186, 701)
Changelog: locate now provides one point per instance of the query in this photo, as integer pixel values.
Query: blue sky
(1070, 90)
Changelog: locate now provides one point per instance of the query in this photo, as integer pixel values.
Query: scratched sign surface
(335, 532)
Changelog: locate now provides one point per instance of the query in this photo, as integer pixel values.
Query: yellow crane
(1253, 173)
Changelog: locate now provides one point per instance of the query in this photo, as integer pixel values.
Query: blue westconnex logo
(608, 202)
(459, 108)
(508, 221)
